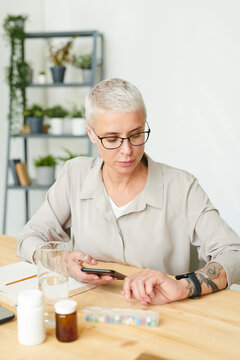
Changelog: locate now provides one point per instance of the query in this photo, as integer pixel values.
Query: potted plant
(34, 117)
(78, 121)
(45, 169)
(60, 56)
(84, 62)
(18, 70)
(41, 77)
(56, 114)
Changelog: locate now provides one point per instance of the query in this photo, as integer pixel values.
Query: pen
(16, 281)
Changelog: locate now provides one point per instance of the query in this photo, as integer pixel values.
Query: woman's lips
(126, 163)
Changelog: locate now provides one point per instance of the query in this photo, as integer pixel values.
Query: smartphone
(5, 315)
(102, 272)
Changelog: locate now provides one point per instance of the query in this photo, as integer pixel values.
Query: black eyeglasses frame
(101, 138)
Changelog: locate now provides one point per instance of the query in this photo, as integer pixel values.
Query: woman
(124, 207)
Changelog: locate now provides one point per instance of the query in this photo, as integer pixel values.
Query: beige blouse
(154, 231)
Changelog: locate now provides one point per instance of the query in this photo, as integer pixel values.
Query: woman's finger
(79, 257)
(127, 287)
(89, 260)
(139, 291)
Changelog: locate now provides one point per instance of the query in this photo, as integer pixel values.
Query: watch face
(183, 276)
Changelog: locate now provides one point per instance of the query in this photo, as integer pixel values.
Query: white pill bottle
(30, 318)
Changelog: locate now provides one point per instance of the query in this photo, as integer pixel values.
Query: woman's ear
(91, 134)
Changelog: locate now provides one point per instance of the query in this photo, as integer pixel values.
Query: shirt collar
(93, 182)
(152, 193)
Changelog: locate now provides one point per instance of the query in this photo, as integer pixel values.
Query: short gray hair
(113, 95)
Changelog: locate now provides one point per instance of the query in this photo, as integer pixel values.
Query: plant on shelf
(84, 62)
(56, 114)
(69, 156)
(78, 121)
(34, 111)
(60, 56)
(45, 169)
(18, 70)
(41, 77)
(34, 117)
(48, 160)
(56, 111)
(76, 112)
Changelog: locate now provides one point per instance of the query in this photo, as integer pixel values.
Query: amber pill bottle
(66, 320)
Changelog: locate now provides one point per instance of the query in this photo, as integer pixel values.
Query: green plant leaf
(56, 112)
(83, 61)
(17, 72)
(34, 111)
(70, 155)
(48, 160)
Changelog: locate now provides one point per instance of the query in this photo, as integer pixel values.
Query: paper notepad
(21, 270)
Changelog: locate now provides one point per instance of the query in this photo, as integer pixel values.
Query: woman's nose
(126, 147)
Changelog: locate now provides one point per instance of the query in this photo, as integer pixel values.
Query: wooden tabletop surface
(204, 328)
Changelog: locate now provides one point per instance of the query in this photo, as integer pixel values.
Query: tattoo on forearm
(209, 273)
(190, 287)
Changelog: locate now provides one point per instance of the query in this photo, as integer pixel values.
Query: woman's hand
(76, 261)
(153, 287)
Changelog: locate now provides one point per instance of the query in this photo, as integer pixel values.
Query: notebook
(21, 270)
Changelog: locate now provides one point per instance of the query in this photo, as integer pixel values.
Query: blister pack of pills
(121, 316)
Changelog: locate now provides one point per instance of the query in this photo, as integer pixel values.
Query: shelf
(32, 186)
(47, 136)
(74, 83)
(59, 85)
(39, 35)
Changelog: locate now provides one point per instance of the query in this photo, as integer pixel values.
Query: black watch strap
(196, 282)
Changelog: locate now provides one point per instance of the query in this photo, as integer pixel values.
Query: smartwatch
(197, 286)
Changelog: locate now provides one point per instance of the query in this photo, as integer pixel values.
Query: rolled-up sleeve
(215, 240)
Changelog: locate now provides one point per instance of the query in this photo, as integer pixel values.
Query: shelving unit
(96, 38)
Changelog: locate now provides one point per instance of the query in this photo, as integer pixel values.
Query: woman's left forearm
(212, 278)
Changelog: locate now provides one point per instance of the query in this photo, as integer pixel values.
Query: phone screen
(102, 272)
(5, 315)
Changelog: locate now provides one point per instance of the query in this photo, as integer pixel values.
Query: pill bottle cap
(65, 306)
(30, 298)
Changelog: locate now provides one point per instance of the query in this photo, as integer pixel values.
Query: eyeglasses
(114, 142)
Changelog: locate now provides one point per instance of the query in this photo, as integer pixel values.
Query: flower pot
(41, 78)
(45, 175)
(58, 73)
(56, 126)
(67, 126)
(87, 75)
(78, 126)
(35, 124)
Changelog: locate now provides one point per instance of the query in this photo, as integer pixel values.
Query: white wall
(184, 55)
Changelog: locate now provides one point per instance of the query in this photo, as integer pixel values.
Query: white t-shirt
(118, 211)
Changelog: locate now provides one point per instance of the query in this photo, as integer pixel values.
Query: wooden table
(204, 328)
